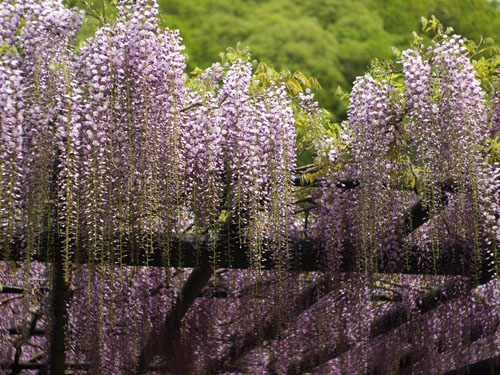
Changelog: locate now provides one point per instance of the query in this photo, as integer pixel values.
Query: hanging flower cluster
(447, 111)
(11, 115)
(241, 155)
(111, 146)
(40, 122)
(365, 223)
(447, 127)
(495, 114)
(259, 150)
(203, 150)
(428, 129)
(131, 178)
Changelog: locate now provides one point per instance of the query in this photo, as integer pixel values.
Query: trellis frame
(196, 252)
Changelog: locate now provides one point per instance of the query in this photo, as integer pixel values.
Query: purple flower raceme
(363, 223)
(489, 202)
(427, 129)
(40, 116)
(258, 152)
(495, 114)
(132, 74)
(446, 136)
(11, 117)
(202, 147)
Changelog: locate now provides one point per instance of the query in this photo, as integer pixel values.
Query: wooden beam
(72, 366)
(490, 366)
(198, 251)
(13, 289)
(40, 331)
(392, 319)
(192, 251)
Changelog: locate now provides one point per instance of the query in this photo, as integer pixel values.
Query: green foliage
(97, 12)
(493, 150)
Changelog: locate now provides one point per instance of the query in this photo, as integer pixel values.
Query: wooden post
(60, 299)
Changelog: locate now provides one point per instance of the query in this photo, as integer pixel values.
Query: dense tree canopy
(332, 40)
(154, 220)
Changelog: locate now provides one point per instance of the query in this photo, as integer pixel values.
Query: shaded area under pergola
(204, 253)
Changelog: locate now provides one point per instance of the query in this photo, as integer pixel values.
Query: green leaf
(424, 22)
(224, 214)
(294, 85)
(396, 52)
(53, 66)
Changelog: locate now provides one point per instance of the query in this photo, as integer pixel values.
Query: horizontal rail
(192, 251)
(490, 366)
(13, 289)
(34, 332)
(72, 366)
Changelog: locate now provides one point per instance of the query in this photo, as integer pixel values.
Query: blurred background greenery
(332, 40)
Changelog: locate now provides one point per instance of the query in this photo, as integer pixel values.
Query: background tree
(331, 40)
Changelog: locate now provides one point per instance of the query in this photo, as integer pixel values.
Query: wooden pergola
(197, 252)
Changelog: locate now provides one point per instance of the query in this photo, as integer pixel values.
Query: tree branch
(158, 338)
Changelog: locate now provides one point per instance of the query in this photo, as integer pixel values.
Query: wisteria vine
(112, 152)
